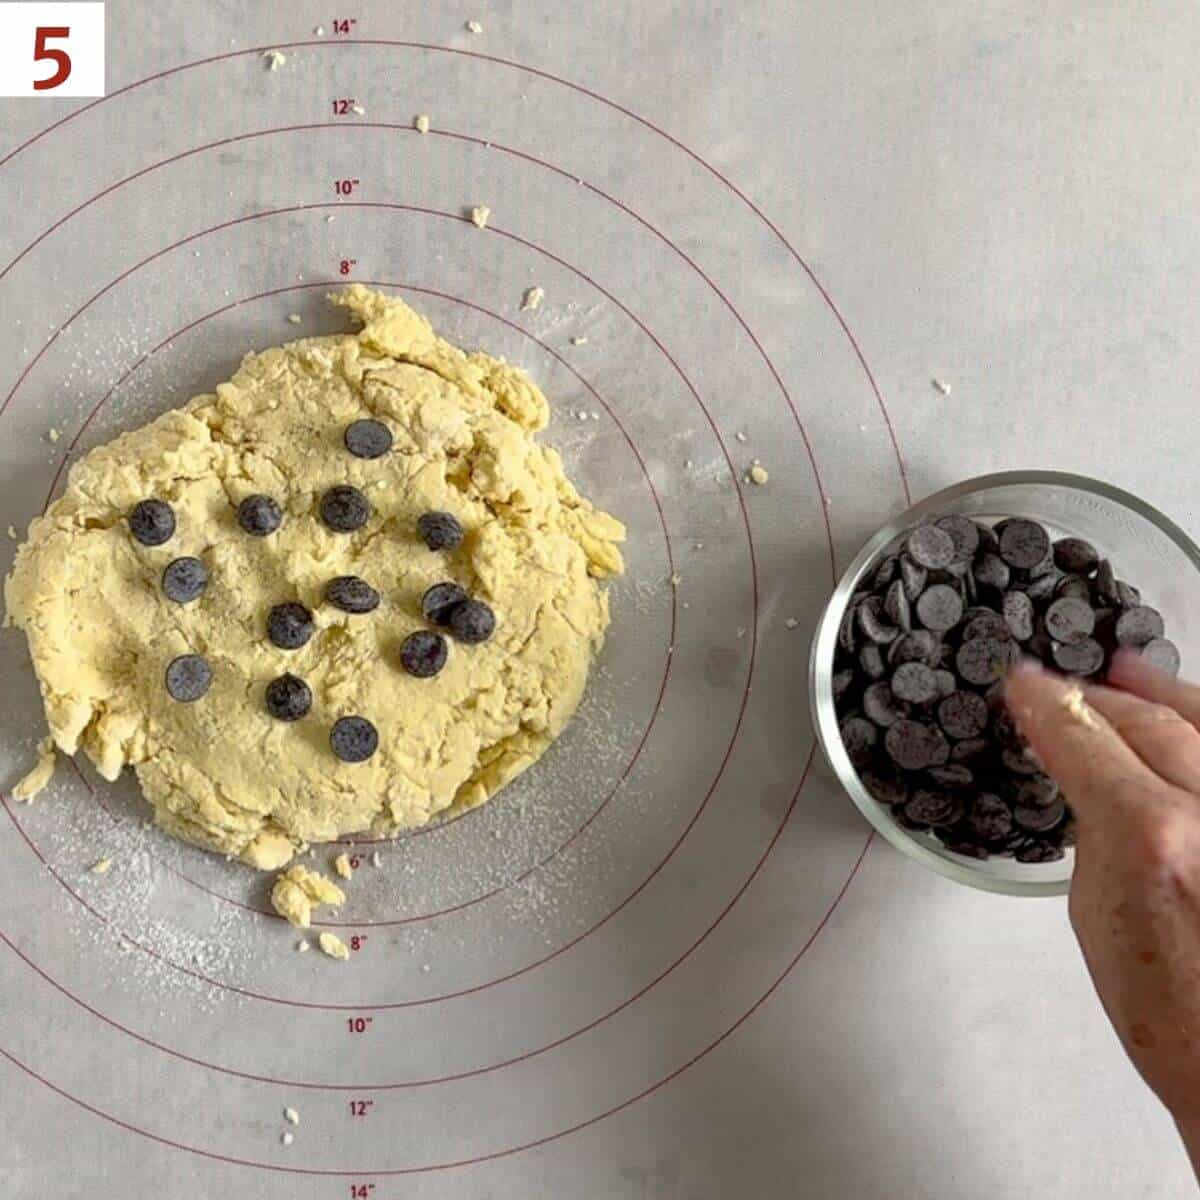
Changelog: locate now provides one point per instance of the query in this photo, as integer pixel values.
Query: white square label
(51, 49)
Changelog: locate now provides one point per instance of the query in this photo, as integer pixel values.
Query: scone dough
(220, 772)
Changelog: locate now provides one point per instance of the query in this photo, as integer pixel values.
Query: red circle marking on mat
(879, 399)
(453, 821)
(496, 1154)
(489, 145)
(370, 205)
(398, 43)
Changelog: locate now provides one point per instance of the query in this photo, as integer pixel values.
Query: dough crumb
(479, 216)
(53, 434)
(741, 437)
(319, 31)
(291, 1116)
(358, 110)
(12, 532)
(757, 474)
(941, 385)
(101, 866)
(298, 891)
(741, 633)
(580, 340)
(1081, 712)
(676, 579)
(421, 123)
(377, 859)
(791, 623)
(36, 780)
(532, 300)
(582, 414)
(287, 1137)
(303, 946)
(333, 945)
(342, 866)
(474, 27)
(274, 59)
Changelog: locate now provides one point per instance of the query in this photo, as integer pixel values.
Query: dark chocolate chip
(1038, 851)
(915, 683)
(870, 658)
(983, 660)
(440, 530)
(952, 776)
(1070, 620)
(424, 654)
(1076, 556)
(968, 749)
(885, 573)
(367, 438)
(1043, 587)
(288, 698)
(1127, 595)
(1163, 654)
(289, 625)
(188, 677)
(842, 682)
(934, 806)
(847, 637)
(963, 715)
(152, 522)
(1039, 818)
(984, 622)
(930, 547)
(259, 515)
(887, 789)
(440, 601)
(992, 571)
(989, 818)
(1137, 626)
(939, 607)
(881, 705)
(1024, 544)
(1073, 587)
(966, 849)
(918, 646)
(964, 533)
(859, 737)
(351, 594)
(1106, 584)
(896, 606)
(1078, 658)
(913, 746)
(1018, 615)
(472, 622)
(914, 577)
(1040, 791)
(873, 622)
(184, 580)
(947, 684)
(353, 739)
(1020, 762)
(345, 509)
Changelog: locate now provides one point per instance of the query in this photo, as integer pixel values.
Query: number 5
(60, 58)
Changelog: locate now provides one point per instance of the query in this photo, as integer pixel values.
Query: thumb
(1086, 756)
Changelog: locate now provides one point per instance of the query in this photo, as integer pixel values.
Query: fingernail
(1025, 665)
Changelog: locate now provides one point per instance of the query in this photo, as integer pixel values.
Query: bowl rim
(820, 683)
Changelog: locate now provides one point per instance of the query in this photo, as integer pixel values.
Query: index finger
(1078, 747)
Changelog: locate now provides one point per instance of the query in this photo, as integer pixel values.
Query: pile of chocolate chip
(290, 625)
(918, 681)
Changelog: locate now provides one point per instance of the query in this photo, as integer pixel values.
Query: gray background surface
(685, 972)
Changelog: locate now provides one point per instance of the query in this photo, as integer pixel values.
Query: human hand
(1128, 761)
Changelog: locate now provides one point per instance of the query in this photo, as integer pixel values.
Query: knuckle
(1161, 837)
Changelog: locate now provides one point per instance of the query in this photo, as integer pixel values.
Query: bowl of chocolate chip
(909, 660)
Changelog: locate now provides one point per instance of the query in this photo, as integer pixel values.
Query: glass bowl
(1145, 547)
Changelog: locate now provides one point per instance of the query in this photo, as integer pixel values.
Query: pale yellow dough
(37, 779)
(221, 772)
(297, 891)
